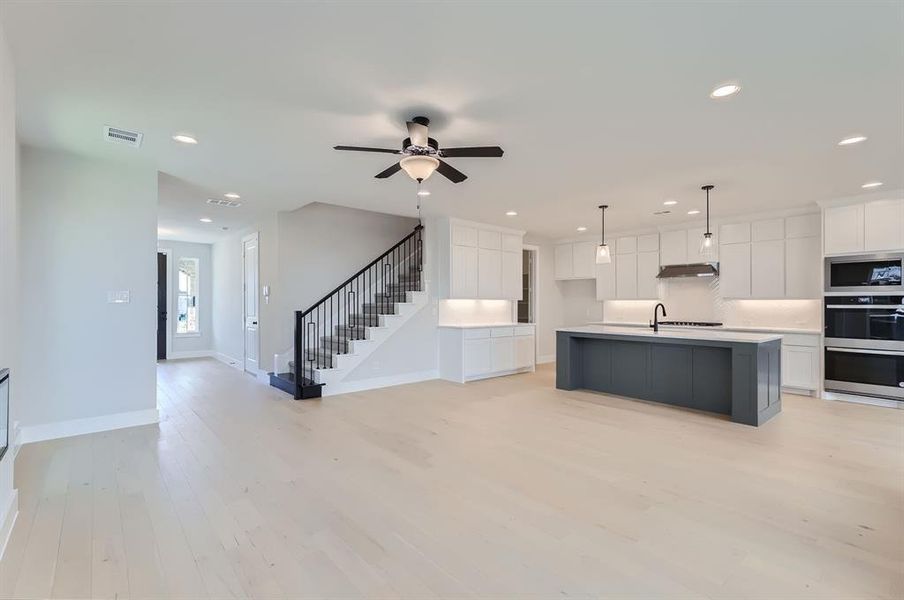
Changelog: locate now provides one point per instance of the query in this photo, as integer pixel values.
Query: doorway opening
(163, 292)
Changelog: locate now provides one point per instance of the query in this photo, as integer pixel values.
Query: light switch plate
(118, 297)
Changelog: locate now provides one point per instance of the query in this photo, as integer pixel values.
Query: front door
(250, 280)
(161, 306)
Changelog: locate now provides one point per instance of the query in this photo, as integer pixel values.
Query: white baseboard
(62, 429)
(190, 354)
(232, 362)
(549, 358)
(8, 519)
(373, 383)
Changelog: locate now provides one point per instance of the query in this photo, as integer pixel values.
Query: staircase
(335, 334)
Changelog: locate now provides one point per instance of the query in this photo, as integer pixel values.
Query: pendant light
(602, 251)
(707, 245)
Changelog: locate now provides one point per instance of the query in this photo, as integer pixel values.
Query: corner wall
(9, 279)
(88, 228)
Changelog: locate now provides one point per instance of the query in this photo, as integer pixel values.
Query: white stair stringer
(359, 350)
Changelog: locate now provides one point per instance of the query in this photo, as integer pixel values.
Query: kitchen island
(731, 373)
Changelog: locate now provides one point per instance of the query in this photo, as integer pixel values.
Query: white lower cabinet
(480, 352)
(800, 361)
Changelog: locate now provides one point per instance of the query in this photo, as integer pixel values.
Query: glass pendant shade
(602, 255)
(419, 167)
(707, 247)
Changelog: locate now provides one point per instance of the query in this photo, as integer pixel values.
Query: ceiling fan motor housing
(432, 147)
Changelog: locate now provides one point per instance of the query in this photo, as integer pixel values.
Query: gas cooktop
(691, 323)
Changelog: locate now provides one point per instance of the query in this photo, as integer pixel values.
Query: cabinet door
(464, 272)
(511, 276)
(564, 261)
(695, 239)
(767, 269)
(734, 233)
(734, 270)
(524, 351)
(802, 226)
(511, 242)
(800, 367)
(584, 257)
(478, 359)
(626, 245)
(647, 269)
(605, 281)
(626, 276)
(503, 358)
(803, 266)
(491, 240)
(464, 236)
(673, 247)
(768, 230)
(648, 242)
(489, 273)
(882, 225)
(843, 229)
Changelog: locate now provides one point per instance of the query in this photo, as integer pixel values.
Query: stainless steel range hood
(693, 270)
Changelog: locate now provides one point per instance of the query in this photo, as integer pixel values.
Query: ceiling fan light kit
(422, 155)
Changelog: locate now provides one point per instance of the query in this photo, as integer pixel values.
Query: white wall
(304, 254)
(9, 276)
(184, 345)
(88, 227)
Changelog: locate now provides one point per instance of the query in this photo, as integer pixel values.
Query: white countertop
(485, 325)
(712, 334)
(800, 330)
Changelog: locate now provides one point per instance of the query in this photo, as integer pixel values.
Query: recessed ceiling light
(854, 139)
(693, 212)
(670, 202)
(871, 184)
(582, 228)
(232, 195)
(511, 213)
(423, 192)
(728, 89)
(206, 220)
(185, 139)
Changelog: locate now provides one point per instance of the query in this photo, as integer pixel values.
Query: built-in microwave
(864, 274)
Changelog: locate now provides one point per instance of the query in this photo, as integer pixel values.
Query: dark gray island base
(735, 374)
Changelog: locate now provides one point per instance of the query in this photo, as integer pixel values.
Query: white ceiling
(593, 103)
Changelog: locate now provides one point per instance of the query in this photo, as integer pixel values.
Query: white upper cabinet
(844, 229)
(626, 276)
(479, 261)
(673, 247)
(605, 281)
(734, 270)
(584, 259)
(734, 233)
(564, 261)
(802, 226)
(575, 260)
(803, 260)
(647, 270)
(764, 231)
(626, 245)
(767, 269)
(648, 242)
(882, 225)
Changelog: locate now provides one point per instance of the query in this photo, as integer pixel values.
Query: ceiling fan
(421, 155)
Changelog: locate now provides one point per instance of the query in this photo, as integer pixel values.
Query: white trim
(549, 358)
(197, 332)
(871, 400)
(62, 429)
(348, 387)
(535, 292)
(169, 298)
(189, 335)
(232, 362)
(192, 354)
(9, 516)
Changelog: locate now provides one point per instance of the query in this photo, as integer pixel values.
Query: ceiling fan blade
(390, 171)
(487, 151)
(450, 172)
(366, 149)
(418, 133)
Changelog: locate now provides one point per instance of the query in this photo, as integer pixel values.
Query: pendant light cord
(707, 211)
(603, 223)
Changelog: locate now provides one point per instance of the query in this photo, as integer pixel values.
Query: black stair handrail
(327, 328)
(361, 271)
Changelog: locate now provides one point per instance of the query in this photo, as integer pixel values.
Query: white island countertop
(676, 334)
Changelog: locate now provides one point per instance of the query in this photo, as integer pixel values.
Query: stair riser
(379, 309)
(351, 333)
(365, 320)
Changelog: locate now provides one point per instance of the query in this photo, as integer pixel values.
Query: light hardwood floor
(499, 488)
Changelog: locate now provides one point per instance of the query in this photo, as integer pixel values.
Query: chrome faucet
(655, 323)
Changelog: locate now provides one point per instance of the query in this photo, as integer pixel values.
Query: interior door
(161, 306)
(251, 318)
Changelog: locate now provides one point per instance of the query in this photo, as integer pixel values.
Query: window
(187, 300)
